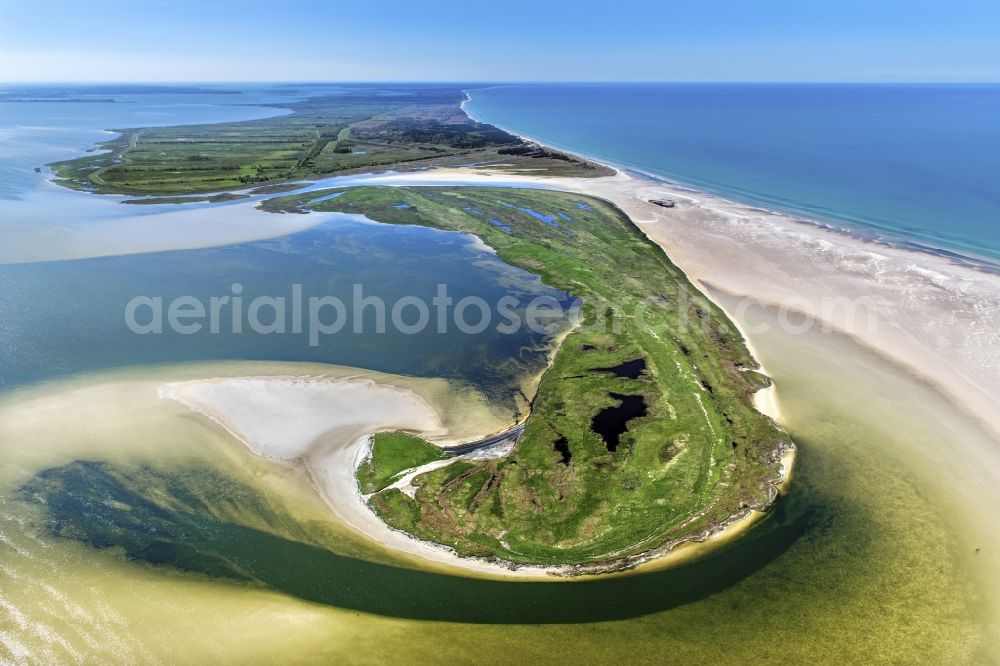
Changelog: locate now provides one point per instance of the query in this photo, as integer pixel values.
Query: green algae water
(861, 561)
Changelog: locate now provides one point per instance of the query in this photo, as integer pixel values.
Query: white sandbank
(282, 418)
(323, 426)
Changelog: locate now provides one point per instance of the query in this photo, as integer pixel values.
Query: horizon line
(172, 82)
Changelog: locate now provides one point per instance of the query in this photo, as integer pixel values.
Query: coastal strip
(935, 315)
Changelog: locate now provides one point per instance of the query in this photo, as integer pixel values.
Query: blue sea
(915, 165)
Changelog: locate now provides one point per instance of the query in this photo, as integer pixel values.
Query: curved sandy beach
(322, 425)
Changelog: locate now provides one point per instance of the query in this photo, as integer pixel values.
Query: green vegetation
(393, 453)
(691, 454)
(360, 129)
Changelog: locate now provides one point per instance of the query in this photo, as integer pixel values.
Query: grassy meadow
(359, 130)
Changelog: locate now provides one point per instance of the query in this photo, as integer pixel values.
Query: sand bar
(323, 425)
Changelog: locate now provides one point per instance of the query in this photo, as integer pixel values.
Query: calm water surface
(914, 164)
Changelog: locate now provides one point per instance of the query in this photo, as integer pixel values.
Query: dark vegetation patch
(669, 451)
(528, 149)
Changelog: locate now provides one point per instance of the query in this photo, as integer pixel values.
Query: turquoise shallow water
(908, 164)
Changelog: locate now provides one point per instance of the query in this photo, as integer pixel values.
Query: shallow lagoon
(68, 316)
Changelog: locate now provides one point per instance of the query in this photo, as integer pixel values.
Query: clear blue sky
(500, 40)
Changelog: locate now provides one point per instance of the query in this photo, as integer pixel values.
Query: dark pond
(611, 422)
(627, 369)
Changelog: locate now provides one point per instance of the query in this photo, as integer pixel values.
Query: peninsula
(642, 433)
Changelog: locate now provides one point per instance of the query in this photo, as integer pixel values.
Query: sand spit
(323, 426)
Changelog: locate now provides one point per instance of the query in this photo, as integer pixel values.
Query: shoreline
(355, 451)
(865, 235)
(763, 400)
(286, 426)
(329, 450)
(295, 422)
(925, 311)
(654, 549)
(945, 339)
(631, 193)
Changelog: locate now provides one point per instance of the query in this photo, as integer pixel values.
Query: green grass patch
(367, 128)
(393, 453)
